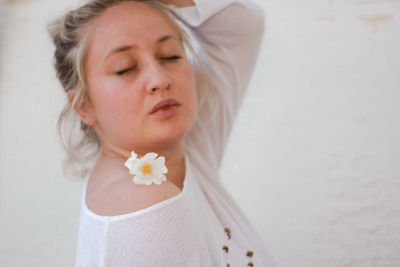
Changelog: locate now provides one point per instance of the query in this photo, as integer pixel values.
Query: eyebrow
(127, 47)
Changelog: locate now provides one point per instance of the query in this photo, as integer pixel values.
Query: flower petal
(150, 156)
(161, 159)
(133, 155)
(140, 175)
(160, 163)
(138, 180)
(157, 181)
(135, 166)
(128, 163)
(156, 173)
(164, 169)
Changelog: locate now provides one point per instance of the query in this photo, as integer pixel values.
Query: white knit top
(202, 225)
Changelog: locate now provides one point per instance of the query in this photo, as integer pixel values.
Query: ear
(85, 112)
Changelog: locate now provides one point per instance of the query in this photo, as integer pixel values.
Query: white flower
(147, 169)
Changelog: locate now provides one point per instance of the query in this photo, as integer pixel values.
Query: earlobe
(83, 111)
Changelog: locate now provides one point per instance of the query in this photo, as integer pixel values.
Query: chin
(173, 130)
(171, 133)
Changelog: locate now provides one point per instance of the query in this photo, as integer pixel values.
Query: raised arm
(229, 33)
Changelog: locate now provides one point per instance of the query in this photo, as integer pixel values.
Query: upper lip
(164, 102)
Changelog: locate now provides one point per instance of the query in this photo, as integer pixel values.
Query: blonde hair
(70, 35)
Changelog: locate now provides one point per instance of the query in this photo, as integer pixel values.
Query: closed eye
(173, 58)
(122, 72)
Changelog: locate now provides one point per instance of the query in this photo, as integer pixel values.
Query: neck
(174, 154)
(173, 151)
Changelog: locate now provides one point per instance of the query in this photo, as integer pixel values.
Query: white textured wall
(317, 138)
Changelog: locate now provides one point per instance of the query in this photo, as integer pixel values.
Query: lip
(163, 102)
(170, 112)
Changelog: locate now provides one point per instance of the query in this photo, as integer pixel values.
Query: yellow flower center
(146, 168)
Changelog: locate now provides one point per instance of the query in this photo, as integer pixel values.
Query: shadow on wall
(10, 2)
(5, 11)
(3, 19)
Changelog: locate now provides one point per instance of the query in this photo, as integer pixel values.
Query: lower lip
(166, 113)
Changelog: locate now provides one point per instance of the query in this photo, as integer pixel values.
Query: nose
(158, 78)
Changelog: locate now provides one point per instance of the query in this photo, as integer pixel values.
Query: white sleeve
(163, 236)
(229, 34)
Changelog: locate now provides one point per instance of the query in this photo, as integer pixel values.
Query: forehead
(130, 23)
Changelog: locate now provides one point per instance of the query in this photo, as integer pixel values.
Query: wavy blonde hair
(70, 34)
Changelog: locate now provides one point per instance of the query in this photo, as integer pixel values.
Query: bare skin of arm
(179, 3)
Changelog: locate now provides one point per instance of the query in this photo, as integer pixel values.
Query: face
(135, 59)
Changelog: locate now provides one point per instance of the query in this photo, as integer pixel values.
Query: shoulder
(123, 196)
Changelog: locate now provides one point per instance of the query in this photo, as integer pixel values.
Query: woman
(141, 91)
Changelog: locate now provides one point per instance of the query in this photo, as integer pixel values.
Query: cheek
(191, 94)
(189, 82)
(114, 102)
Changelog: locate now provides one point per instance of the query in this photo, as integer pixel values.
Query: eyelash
(173, 58)
(122, 72)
